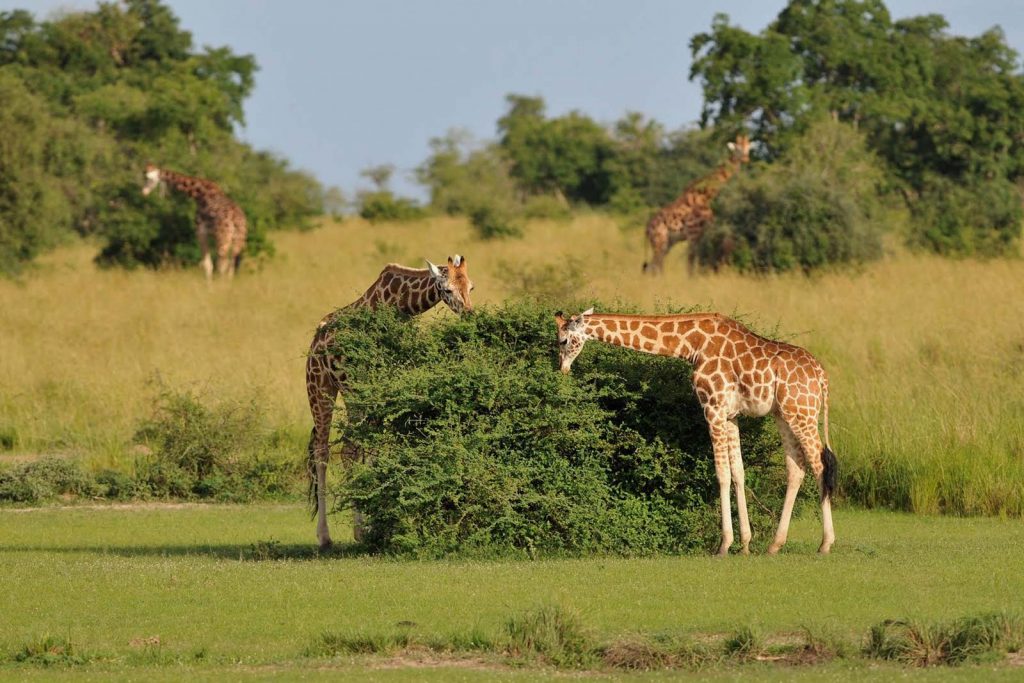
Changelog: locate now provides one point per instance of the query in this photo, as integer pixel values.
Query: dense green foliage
(815, 207)
(941, 110)
(89, 98)
(381, 204)
(473, 443)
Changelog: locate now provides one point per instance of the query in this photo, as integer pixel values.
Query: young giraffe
(690, 214)
(215, 213)
(734, 372)
(413, 292)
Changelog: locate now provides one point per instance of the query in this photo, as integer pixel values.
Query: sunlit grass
(115, 580)
(926, 355)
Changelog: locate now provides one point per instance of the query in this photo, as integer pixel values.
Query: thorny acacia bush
(472, 443)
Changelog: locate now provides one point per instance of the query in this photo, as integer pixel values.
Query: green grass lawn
(240, 588)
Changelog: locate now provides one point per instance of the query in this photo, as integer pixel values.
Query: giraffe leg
(806, 431)
(202, 237)
(659, 247)
(322, 393)
(736, 465)
(720, 445)
(794, 477)
(225, 262)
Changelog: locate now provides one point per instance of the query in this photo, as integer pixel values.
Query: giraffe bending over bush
(686, 218)
(734, 372)
(215, 213)
(412, 291)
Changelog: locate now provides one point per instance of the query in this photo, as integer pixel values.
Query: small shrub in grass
(495, 219)
(51, 651)
(219, 451)
(743, 644)
(115, 485)
(476, 445)
(46, 478)
(8, 438)
(950, 643)
(551, 633)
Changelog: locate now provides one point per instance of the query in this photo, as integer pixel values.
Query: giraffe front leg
(720, 445)
(204, 247)
(736, 466)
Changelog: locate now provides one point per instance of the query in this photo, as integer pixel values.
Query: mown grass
(190, 589)
(926, 355)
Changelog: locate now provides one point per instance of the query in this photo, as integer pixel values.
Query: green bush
(495, 219)
(381, 206)
(199, 451)
(973, 218)
(46, 478)
(813, 209)
(479, 446)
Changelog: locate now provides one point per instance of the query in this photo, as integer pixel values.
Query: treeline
(89, 98)
(851, 113)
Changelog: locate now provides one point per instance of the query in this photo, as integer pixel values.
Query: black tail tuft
(828, 476)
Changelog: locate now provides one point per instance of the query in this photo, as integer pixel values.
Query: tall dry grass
(926, 355)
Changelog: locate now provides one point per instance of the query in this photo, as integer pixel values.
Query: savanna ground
(926, 358)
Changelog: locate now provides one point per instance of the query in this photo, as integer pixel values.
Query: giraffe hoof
(774, 549)
(326, 545)
(745, 551)
(824, 550)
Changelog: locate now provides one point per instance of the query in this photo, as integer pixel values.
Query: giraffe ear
(589, 311)
(434, 270)
(731, 146)
(559, 318)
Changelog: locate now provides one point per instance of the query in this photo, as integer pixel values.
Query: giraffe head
(453, 284)
(571, 337)
(740, 149)
(152, 179)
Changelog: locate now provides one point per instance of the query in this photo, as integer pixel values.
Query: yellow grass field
(926, 355)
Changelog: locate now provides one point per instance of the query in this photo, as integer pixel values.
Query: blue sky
(344, 85)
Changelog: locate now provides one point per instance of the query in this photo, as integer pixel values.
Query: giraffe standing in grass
(412, 291)
(735, 372)
(690, 214)
(215, 213)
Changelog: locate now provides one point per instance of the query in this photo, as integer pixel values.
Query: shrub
(221, 451)
(981, 217)
(552, 633)
(478, 446)
(381, 206)
(35, 481)
(492, 219)
(951, 643)
(814, 208)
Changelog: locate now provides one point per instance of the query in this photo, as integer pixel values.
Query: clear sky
(344, 85)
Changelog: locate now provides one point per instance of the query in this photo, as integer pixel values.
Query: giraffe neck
(713, 183)
(681, 336)
(411, 290)
(196, 188)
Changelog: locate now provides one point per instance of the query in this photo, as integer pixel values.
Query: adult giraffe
(215, 213)
(690, 214)
(412, 291)
(734, 372)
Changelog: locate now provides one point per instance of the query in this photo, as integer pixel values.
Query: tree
(111, 89)
(931, 104)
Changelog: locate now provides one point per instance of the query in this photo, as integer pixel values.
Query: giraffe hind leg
(321, 404)
(794, 477)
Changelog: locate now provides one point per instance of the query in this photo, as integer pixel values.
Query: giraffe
(734, 372)
(412, 291)
(690, 214)
(215, 213)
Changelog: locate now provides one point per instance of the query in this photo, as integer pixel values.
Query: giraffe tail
(828, 458)
(311, 492)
